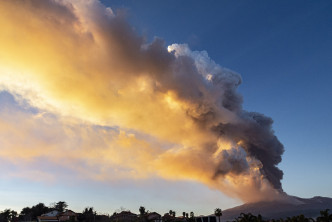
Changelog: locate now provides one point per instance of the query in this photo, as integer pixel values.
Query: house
(68, 215)
(168, 218)
(49, 217)
(153, 217)
(53, 213)
(210, 218)
(43, 218)
(124, 216)
(56, 216)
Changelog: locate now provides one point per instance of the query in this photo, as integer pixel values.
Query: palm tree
(172, 213)
(218, 213)
(192, 216)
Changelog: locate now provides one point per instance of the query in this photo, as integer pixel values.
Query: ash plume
(256, 137)
(83, 61)
(251, 131)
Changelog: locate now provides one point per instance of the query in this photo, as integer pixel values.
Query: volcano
(292, 206)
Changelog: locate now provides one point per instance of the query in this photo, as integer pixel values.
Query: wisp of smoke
(78, 59)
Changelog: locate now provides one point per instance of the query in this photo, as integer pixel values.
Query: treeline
(32, 213)
(323, 217)
(90, 215)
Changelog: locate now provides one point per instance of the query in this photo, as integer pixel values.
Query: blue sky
(282, 50)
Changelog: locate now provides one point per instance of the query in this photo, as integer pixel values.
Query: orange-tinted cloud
(175, 113)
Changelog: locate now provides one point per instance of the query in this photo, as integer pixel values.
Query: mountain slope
(293, 206)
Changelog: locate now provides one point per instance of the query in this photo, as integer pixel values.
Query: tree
(192, 217)
(218, 213)
(246, 218)
(89, 215)
(259, 218)
(298, 218)
(7, 215)
(33, 212)
(61, 206)
(172, 213)
(142, 213)
(324, 216)
(26, 214)
(142, 210)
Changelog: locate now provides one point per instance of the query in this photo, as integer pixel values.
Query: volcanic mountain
(289, 207)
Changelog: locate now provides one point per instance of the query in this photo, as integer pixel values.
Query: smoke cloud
(175, 112)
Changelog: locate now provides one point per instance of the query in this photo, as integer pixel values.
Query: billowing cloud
(111, 106)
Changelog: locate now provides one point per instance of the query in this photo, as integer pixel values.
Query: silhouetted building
(210, 218)
(153, 217)
(56, 216)
(124, 216)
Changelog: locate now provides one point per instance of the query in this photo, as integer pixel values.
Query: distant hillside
(294, 206)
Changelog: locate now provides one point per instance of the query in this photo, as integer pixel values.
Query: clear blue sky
(283, 51)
